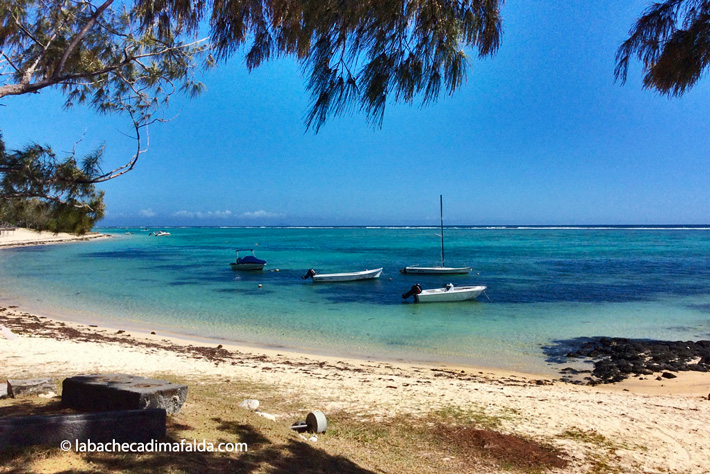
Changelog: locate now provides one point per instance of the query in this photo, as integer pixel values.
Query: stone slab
(105, 392)
(3, 390)
(25, 388)
(139, 426)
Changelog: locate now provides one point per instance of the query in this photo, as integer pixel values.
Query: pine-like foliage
(672, 41)
(130, 56)
(356, 55)
(41, 191)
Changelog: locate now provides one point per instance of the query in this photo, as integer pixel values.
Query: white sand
(26, 237)
(664, 431)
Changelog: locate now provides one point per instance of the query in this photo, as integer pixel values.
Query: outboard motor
(414, 290)
(310, 273)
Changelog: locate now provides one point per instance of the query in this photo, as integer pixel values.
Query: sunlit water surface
(544, 285)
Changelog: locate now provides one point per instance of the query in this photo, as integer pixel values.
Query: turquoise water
(544, 285)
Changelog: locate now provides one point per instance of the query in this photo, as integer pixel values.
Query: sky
(540, 134)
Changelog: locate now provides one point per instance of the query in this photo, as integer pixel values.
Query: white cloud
(259, 214)
(203, 215)
(147, 213)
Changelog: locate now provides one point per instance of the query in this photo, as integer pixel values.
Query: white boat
(336, 277)
(448, 294)
(437, 270)
(160, 233)
(248, 263)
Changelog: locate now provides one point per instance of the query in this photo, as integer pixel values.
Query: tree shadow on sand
(263, 455)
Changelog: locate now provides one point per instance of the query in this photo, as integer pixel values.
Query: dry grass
(447, 441)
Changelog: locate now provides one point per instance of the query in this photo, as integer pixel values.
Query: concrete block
(129, 426)
(104, 392)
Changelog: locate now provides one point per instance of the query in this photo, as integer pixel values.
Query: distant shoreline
(431, 226)
(28, 238)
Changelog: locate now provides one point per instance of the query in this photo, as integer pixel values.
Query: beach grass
(445, 440)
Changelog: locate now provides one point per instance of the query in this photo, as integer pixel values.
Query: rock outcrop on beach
(616, 359)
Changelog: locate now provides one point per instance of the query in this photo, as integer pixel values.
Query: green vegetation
(43, 192)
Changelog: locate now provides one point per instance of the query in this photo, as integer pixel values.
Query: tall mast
(441, 213)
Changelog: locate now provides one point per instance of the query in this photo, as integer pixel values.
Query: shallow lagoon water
(544, 285)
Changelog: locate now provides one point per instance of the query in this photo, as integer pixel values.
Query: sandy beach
(648, 427)
(26, 237)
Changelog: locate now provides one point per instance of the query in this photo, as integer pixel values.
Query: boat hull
(437, 270)
(247, 267)
(441, 295)
(353, 276)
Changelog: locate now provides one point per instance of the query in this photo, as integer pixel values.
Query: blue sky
(539, 134)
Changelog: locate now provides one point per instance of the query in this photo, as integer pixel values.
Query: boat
(160, 233)
(416, 269)
(249, 263)
(437, 270)
(448, 294)
(337, 277)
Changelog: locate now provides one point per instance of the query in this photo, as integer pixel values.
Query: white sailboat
(437, 270)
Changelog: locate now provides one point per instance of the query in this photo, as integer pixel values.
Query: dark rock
(615, 359)
(668, 375)
(138, 426)
(107, 392)
(624, 366)
(24, 388)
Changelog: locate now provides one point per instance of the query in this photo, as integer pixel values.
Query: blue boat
(249, 263)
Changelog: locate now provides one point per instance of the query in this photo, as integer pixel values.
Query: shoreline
(144, 329)
(686, 383)
(22, 237)
(161, 336)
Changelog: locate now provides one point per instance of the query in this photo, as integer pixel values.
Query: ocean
(545, 286)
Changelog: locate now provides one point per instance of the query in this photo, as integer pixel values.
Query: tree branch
(24, 88)
(79, 36)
